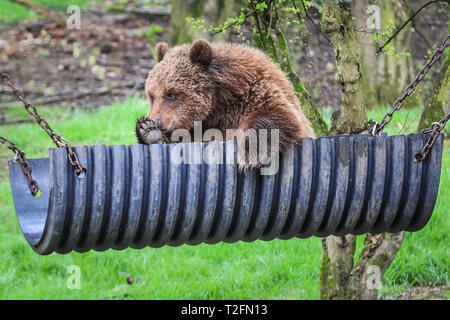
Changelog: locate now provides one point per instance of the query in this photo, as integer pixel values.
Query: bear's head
(178, 88)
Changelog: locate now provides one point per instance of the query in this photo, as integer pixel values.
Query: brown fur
(226, 86)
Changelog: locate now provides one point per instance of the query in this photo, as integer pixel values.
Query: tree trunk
(438, 102)
(180, 30)
(276, 47)
(367, 48)
(388, 73)
(336, 265)
(338, 24)
(340, 277)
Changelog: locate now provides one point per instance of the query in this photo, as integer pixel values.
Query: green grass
(14, 13)
(259, 270)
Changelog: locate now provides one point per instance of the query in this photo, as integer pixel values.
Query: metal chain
(57, 139)
(399, 103)
(435, 130)
(24, 165)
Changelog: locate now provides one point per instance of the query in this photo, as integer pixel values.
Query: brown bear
(225, 86)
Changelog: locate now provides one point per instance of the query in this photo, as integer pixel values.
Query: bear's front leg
(257, 148)
(149, 132)
(266, 135)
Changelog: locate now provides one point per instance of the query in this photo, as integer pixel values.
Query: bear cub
(225, 86)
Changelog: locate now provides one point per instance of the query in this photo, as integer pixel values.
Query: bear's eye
(170, 97)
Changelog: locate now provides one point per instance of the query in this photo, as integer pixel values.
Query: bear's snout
(157, 121)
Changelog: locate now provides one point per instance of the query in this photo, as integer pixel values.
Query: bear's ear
(201, 52)
(161, 49)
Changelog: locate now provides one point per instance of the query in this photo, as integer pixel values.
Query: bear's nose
(157, 121)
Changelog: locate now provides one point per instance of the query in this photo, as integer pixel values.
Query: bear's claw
(149, 132)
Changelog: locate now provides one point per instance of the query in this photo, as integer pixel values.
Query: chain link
(399, 103)
(57, 139)
(24, 165)
(435, 131)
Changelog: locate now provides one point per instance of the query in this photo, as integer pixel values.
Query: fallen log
(73, 95)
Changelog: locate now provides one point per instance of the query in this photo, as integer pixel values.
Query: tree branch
(309, 18)
(41, 10)
(407, 21)
(232, 24)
